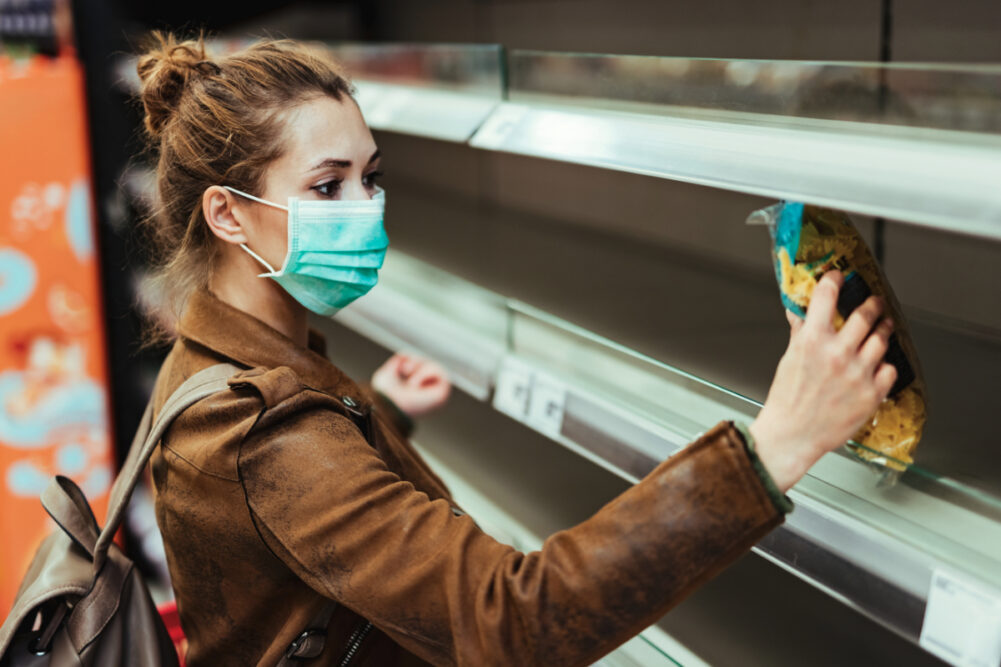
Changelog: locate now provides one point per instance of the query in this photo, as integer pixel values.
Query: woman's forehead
(327, 129)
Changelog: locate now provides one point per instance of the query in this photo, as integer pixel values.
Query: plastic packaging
(808, 241)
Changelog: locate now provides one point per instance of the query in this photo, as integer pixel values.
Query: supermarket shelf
(626, 413)
(438, 91)
(858, 137)
(466, 332)
(850, 166)
(437, 114)
(915, 143)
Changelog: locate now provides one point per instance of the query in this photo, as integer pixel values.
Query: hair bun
(165, 69)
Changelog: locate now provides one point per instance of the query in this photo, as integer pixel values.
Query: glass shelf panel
(945, 97)
(468, 68)
(919, 144)
(441, 91)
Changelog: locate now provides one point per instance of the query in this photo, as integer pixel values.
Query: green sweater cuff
(781, 501)
(398, 416)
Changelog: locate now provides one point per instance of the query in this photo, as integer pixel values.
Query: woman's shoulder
(206, 435)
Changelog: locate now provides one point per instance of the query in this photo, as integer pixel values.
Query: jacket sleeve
(327, 506)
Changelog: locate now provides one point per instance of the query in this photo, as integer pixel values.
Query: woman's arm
(328, 507)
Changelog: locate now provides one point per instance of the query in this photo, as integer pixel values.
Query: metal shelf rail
(915, 143)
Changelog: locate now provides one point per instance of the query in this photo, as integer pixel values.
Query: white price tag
(962, 622)
(546, 406)
(514, 386)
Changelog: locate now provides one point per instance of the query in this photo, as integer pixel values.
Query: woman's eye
(371, 178)
(328, 189)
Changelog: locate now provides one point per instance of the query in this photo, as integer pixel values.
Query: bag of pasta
(808, 241)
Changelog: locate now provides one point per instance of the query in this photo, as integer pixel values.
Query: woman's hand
(828, 383)
(417, 385)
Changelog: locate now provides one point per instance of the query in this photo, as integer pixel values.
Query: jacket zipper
(357, 637)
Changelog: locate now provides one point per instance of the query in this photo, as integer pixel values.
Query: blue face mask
(335, 250)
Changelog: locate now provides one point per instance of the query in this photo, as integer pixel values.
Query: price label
(546, 406)
(962, 622)
(514, 387)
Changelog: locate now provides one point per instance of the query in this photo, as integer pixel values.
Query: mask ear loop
(271, 269)
(257, 199)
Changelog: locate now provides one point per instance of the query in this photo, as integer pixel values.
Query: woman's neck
(235, 282)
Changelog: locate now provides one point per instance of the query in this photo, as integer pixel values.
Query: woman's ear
(219, 209)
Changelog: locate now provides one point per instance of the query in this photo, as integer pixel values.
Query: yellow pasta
(825, 240)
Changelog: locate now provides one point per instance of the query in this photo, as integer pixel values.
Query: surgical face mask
(335, 250)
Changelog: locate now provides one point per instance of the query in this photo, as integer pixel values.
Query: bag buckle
(309, 644)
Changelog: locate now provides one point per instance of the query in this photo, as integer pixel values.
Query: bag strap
(65, 499)
(68, 507)
(200, 385)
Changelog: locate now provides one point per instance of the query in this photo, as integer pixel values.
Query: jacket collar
(238, 335)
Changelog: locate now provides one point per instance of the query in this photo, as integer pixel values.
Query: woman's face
(329, 154)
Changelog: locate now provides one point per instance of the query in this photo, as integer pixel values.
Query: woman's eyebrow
(343, 164)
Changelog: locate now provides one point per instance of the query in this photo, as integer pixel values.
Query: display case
(697, 343)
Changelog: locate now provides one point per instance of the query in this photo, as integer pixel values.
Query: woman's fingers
(824, 301)
(406, 366)
(874, 348)
(795, 322)
(860, 322)
(885, 377)
(427, 375)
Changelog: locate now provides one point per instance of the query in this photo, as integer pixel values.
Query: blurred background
(548, 230)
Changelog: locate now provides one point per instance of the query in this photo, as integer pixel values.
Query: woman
(293, 500)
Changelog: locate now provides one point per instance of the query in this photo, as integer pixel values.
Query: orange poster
(53, 386)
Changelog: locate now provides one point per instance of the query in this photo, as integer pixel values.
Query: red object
(168, 610)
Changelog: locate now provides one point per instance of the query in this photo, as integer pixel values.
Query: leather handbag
(82, 602)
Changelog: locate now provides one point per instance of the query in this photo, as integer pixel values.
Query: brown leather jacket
(271, 503)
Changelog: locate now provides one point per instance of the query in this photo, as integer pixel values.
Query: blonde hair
(214, 123)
